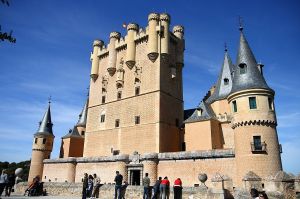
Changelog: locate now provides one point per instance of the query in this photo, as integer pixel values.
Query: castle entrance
(135, 177)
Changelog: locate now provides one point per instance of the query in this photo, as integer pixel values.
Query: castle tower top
(224, 83)
(45, 127)
(247, 74)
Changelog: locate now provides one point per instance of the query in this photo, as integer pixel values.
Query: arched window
(226, 81)
(243, 68)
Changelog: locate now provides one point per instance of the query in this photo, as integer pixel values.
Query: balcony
(258, 147)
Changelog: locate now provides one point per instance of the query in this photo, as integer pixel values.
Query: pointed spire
(224, 83)
(83, 115)
(246, 73)
(45, 127)
(72, 133)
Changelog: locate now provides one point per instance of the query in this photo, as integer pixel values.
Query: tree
(5, 35)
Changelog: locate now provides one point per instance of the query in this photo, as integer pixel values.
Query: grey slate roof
(83, 115)
(252, 78)
(222, 90)
(72, 133)
(203, 112)
(45, 127)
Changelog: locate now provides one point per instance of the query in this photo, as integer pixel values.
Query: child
(123, 189)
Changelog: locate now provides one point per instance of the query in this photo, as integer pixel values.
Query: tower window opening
(234, 106)
(252, 103)
(243, 68)
(137, 90)
(35, 140)
(270, 102)
(117, 123)
(44, 140)
(102, 118)
(137, 119)
(103, 99)
(119, 95)
(82, 133)
(226, 81)
(257, 145)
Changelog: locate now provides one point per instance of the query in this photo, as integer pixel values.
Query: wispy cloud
(289, 120)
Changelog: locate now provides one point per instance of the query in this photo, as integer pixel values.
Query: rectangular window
(257, 143)
(44, 140)
(270, 101)
(252, 102)
(234, 106)
(103, 99)
(82, 133)
(35, 140)
(102, 119)
(137, 119)
(117, 123)
(119, 95)
(137, 90)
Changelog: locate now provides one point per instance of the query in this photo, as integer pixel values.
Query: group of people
(258, 195)
(35, 187)
(161, 188)
(7, 182)
(91, 186)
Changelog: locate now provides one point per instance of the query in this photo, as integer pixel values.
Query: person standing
(146, 184)
(156, 188)
(96, 186)
(3, 181)
(118, 180)
(177, 189)
(84, 185)
(254, 193)
(164, 188)
(89, 189)
(10, 184)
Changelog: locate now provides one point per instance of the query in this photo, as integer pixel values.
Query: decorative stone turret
(112, 59)
(42, 146)
(97, 45)
(153, 19)
(178, 31)
(253, 118)
(132, 29)
(120, 74)
(165, 36)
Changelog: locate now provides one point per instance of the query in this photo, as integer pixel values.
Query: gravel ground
(44, 197)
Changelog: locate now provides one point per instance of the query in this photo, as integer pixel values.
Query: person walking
(3, 181)
(164, 188)
(10, 184)
(90, 185)
(118, 180)
(96, 188)
(156, 188)
(177, 189)
(84, 185)
(146, 184)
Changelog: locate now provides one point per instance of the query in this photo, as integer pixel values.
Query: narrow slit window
(270, 102)
(119, 95)
(35, 140)
(44, 140)
(102, 119)
(103, 99)
(117, 123)
(137, 119)
(234, 106)
(252, 103)
(137, 90)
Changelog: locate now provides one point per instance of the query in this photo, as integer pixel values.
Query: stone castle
(133, 120)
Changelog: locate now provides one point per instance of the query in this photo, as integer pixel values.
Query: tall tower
(42, 145)
(253, 117)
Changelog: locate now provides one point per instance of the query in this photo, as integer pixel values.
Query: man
(3, 181)
(156, 188)
(146, 184)
(254, 193)
(96, 186)
(84, 185)
(118, 180)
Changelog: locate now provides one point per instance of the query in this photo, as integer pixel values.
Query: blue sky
(54, 41)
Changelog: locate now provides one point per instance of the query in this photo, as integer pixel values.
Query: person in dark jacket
(84, 185)
(177, 189)
(118, 180)
(90, 185)
(10, 184)
(156, 188)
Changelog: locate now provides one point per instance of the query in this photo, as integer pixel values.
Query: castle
(133, 120)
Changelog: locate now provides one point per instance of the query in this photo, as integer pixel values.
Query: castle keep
(133, 120)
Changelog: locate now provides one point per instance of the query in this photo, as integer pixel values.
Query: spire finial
(49, 99)
(241, 23)
(225, 47)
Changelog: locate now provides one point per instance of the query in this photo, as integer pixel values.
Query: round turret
(112, 59)
(153, 19)
(97, 45)
(178, 31)
(165, 20)
(132, 29)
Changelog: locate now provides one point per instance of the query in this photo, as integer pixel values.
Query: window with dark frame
(103, 99)
(117, 123)
(119, 95)
(102, 119)
(257, 143)
(252, 103)
(137, 90)
(234, 106)
(137, 119)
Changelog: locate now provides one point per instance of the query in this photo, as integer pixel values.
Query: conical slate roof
(72, 133)
(224, 83)
(252, 78)
(203, 112)
(45, 127)
(83, 115)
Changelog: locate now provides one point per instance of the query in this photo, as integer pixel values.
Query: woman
(177, 189)
(164, 188)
